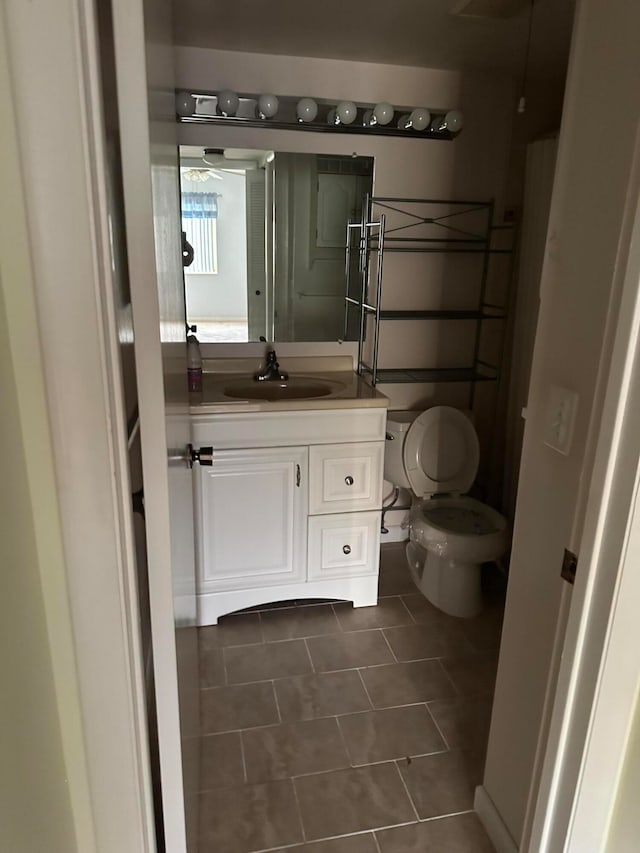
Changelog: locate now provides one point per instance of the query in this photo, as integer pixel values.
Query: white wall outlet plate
(560, 418)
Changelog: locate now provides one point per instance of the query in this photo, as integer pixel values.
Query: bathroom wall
(474, 166)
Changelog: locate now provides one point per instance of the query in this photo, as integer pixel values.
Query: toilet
(435, 455)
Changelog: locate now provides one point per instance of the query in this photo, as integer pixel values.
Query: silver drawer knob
(346, 549)
(349, 480)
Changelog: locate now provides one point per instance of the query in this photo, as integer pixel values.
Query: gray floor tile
(307, 697)
(407, 683)
(464, 722)
(389, 611)
(422, 611)
(442, 783)
(346, 651)
(221, 763)
(231, 630)
(417, 642)
(350, 844)
(270, 660)
(484, 631)
(472, 674)
(394, 576)
(352, 800)
(224, 709)
(292, 749)
(295, 622)
(248, 818)
(392, 733)
(211, 668)
(458, 834)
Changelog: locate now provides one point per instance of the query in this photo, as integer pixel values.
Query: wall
(473, 166)
(223, 295)
(577, 312)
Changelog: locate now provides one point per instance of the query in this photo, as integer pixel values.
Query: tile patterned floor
(332, 730)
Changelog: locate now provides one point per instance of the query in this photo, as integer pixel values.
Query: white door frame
(59, 131)
(597, 682)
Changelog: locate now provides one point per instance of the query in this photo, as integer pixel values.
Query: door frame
(595, 697)
(60, 139)
(85, 409)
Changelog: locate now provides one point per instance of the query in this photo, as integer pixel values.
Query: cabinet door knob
(349, 480)
(346, 549)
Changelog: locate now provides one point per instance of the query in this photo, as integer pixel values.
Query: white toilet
(435, 455)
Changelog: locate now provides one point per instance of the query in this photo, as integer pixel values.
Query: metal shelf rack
(452, 227)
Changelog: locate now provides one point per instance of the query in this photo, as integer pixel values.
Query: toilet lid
(441, 452)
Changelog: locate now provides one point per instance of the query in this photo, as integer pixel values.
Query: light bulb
(185, 104)
(367, 119)
(346, 112)
(453, 121)
(228, 102)
(437, 124)
(383, 113)
(306, 109)
(404, 122)
(267, 106)
(420, 118)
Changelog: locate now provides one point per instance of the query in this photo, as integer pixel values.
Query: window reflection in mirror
(268, 231)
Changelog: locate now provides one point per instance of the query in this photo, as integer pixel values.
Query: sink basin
(294, 388)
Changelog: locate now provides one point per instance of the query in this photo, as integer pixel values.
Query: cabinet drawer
(345, 477)
(343, 545)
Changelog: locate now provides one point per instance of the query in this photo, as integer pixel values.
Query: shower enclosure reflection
(268, 232)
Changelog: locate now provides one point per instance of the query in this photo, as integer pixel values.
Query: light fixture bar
(243, 110)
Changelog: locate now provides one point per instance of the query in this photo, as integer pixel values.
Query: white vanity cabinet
(290, 507)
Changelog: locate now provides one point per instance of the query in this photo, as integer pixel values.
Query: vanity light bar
(287, 113)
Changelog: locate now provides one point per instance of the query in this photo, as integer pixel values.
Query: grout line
(404, 785)
(301, 822)
(365, 689)
(449, 678)
(344, 742)
(244, 761)
(443, 816)
(306, 645)
(435, 723)
(384, 636)
(314, 841)
(275, 696)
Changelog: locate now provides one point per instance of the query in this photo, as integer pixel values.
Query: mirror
(268, 232)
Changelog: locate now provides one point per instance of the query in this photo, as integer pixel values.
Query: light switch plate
(562, 406)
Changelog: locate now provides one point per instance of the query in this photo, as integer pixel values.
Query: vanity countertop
(351, 392)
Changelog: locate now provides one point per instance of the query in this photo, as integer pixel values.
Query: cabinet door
(252, 519)
(345, 477)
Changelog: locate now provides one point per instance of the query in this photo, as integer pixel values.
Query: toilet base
(453, 586)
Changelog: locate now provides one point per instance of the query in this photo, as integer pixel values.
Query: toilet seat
(441, 452)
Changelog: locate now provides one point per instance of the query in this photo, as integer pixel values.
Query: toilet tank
(398, 424)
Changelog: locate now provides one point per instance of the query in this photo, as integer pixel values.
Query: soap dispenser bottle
(194, 364)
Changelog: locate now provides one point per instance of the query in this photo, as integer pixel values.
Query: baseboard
(494, 825)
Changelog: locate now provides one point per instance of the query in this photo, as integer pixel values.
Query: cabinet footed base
(362, 591)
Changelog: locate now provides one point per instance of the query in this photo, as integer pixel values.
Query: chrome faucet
(271, 371)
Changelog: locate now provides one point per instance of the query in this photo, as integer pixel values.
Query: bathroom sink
(294, 388)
